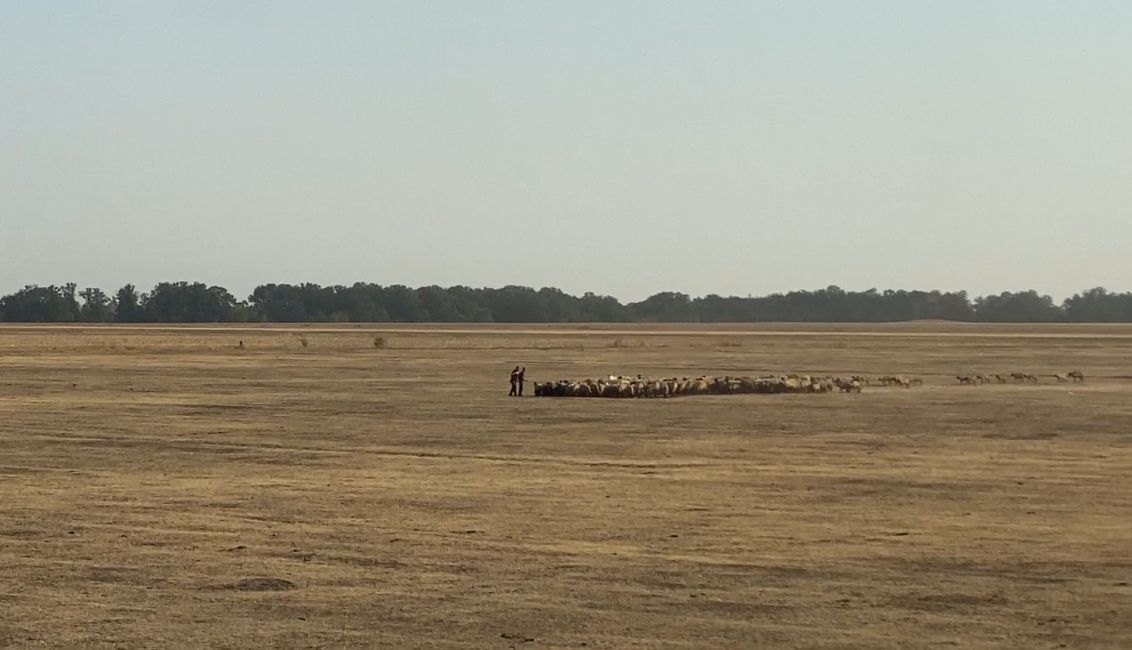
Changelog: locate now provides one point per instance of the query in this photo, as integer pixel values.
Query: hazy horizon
(622, 148)
(242, 295)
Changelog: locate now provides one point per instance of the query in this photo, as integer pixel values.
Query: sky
(620, 147)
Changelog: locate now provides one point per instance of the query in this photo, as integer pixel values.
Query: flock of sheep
(1075, 376)
(618, 386)
(644, 387)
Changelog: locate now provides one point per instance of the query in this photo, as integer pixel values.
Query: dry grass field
(166, 488)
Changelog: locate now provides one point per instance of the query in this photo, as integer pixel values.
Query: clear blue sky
(619, 147)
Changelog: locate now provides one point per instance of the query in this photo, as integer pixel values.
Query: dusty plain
(164, 487)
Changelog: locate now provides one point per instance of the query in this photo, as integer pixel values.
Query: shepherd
(522, 373)
(514, 382)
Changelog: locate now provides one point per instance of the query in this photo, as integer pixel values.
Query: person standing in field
(521, 380)
(514, 382)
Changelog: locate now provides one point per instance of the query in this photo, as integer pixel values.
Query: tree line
(195, 302)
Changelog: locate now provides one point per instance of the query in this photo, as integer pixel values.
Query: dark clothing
(514, 383)
(521, 380)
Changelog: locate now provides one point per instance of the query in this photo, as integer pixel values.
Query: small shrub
(303, 341)
(378, 342)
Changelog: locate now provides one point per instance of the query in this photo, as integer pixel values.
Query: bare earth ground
(163, 488)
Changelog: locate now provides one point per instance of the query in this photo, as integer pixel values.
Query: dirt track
(165, 488)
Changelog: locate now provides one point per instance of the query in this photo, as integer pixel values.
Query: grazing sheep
(618, 386)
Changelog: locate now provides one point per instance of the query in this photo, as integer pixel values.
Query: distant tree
(182, 302)
(1099, 306)
(955, 306)
(667, 306)
(1024, 306)
(441, 305)
(468, 303)
(365, 302)
(515, 304)
(280, 303)
(127, 305)
(601, 309)
(362, 303)
(404, 305)
(559, 306)
(35, 304)
(97, 306)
